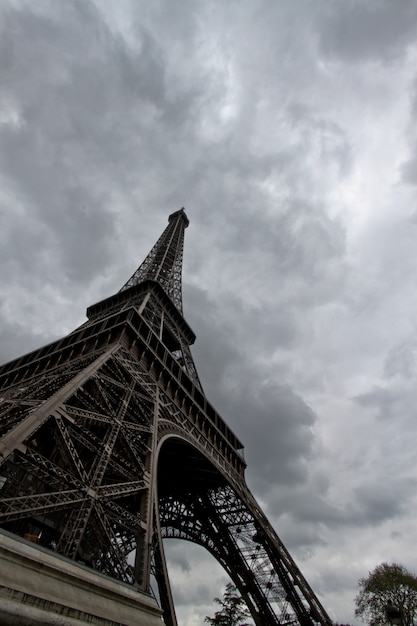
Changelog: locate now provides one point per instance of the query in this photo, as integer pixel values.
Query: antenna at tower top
(163, 264)
(179, 214)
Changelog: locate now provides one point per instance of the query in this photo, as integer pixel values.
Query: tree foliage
(233, 610)
(387, 583)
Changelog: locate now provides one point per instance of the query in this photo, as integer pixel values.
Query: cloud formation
(287, 130)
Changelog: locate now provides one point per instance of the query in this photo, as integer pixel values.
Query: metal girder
(119, 490)
(20, 506)
(113, 547)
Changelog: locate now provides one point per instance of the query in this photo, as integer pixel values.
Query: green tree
(387, 583)
(233, 609)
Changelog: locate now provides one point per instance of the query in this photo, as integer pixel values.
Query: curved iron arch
(198, 503)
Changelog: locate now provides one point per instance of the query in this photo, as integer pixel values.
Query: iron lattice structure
(108, 445)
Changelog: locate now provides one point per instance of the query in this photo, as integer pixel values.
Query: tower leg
(162, 578)
(230, 525)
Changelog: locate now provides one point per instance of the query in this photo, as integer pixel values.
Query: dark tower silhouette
(108, 445)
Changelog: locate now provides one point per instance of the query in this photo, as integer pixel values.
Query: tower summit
(108, 445)
(164, 262)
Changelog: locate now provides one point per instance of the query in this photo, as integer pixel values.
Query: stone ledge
(40, 587)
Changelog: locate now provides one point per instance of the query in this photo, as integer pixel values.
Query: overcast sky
(287, 130)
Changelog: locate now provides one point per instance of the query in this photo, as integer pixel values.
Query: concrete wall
(38, 587)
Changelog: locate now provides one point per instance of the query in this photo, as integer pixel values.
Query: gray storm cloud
(287, 132)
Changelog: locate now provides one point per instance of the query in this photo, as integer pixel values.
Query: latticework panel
(171, 337)
(76, 483)
(164, 262)
(18, 401)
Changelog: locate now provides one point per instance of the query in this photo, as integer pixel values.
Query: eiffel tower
(109, 445)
